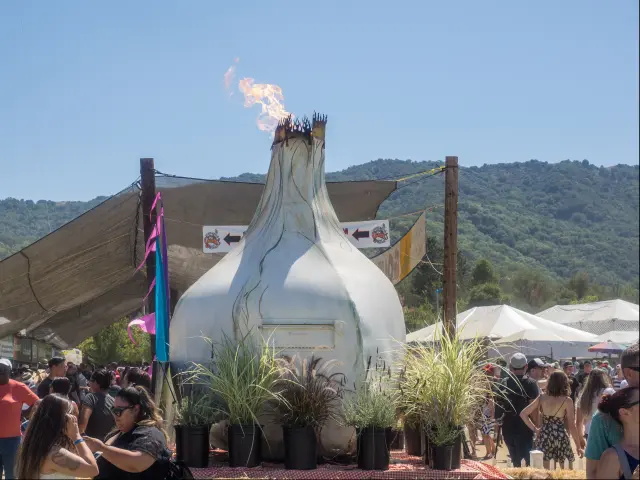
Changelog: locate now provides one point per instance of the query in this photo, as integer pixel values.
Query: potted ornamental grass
(395, 440)
(243, 375)
(371, 410)
(195, 413)
(444, 385)
(312, 396)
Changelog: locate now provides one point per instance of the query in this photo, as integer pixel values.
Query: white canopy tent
(597, 317)
(619, 336)
(514, 330)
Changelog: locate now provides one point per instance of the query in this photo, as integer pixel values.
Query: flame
(270, 99)
(268, 96)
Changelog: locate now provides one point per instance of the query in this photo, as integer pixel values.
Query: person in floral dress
(556, 408)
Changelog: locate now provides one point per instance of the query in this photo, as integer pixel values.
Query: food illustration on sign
(212, 240)
(379, 234)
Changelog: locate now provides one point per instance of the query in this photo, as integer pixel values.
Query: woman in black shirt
(137, 450)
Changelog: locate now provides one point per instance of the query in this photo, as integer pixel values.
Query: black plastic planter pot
(244, 445)
(445, 457)
(373, 453)
(395, 439)
(300, 448)
(427, 449)
(192, 445)
(413, 441)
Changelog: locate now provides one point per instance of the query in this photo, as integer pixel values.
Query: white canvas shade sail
(596, 317)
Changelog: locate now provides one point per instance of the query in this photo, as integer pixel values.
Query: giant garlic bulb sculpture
(294, 276)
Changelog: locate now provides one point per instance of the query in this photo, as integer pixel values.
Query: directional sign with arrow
(358, 234)
(367, 234)
(232, 238)
(221, 239)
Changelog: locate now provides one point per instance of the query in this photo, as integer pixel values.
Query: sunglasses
(632, 404)
(118, 411)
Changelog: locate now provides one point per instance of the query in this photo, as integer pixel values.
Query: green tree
(485, 295)
(579, 283)
(427, 278)
(112, 344)
(586, 299)
(482, 273)
(420, 317)
(533, 287)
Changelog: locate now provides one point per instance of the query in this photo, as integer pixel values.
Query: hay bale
(541, 474)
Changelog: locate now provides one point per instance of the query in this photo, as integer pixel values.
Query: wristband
(79, 441)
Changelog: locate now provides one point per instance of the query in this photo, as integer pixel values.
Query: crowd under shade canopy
(596, 317)
(511, 330)
(82, 277)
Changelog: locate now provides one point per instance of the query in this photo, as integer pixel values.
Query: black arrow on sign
(232, 238)
(360, 234)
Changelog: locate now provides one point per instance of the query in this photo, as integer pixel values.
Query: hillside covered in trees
(541, 227)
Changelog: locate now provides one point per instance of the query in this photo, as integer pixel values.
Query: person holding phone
(52, 447)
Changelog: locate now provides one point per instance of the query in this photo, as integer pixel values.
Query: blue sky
(87, 88)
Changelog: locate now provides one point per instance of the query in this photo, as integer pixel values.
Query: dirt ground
(502, 460)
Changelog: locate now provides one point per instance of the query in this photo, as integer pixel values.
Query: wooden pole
(148, 184)
(450, 243)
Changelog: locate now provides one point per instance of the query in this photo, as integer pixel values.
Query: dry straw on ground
(538, 474)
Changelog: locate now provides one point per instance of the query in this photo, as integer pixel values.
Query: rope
(430, 172)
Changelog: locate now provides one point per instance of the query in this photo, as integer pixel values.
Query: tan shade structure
(70, 284)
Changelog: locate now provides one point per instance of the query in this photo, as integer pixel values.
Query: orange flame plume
(269, 97)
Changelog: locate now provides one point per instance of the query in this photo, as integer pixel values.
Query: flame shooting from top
(268, 96)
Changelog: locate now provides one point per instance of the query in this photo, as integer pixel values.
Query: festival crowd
(541, 406)
(80, 421)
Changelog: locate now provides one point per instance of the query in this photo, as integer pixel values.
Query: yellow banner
(405, 255)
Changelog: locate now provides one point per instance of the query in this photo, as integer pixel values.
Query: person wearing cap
(518, 392)
(537, 370)
(13, 395)
(567, 368)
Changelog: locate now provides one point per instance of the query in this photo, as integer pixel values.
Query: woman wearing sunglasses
(137, 449)
(621, 460)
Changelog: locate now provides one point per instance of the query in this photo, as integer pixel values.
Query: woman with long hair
(556, 408)
(595, 386)
(137, 449)
(621, 460)
(52, 446)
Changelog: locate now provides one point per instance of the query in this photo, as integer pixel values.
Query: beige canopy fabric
(80, 278)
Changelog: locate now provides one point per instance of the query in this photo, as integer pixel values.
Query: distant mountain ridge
(559, 218)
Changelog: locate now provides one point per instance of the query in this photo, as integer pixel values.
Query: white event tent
(597, 317)
(620, 337)
(513, 330)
